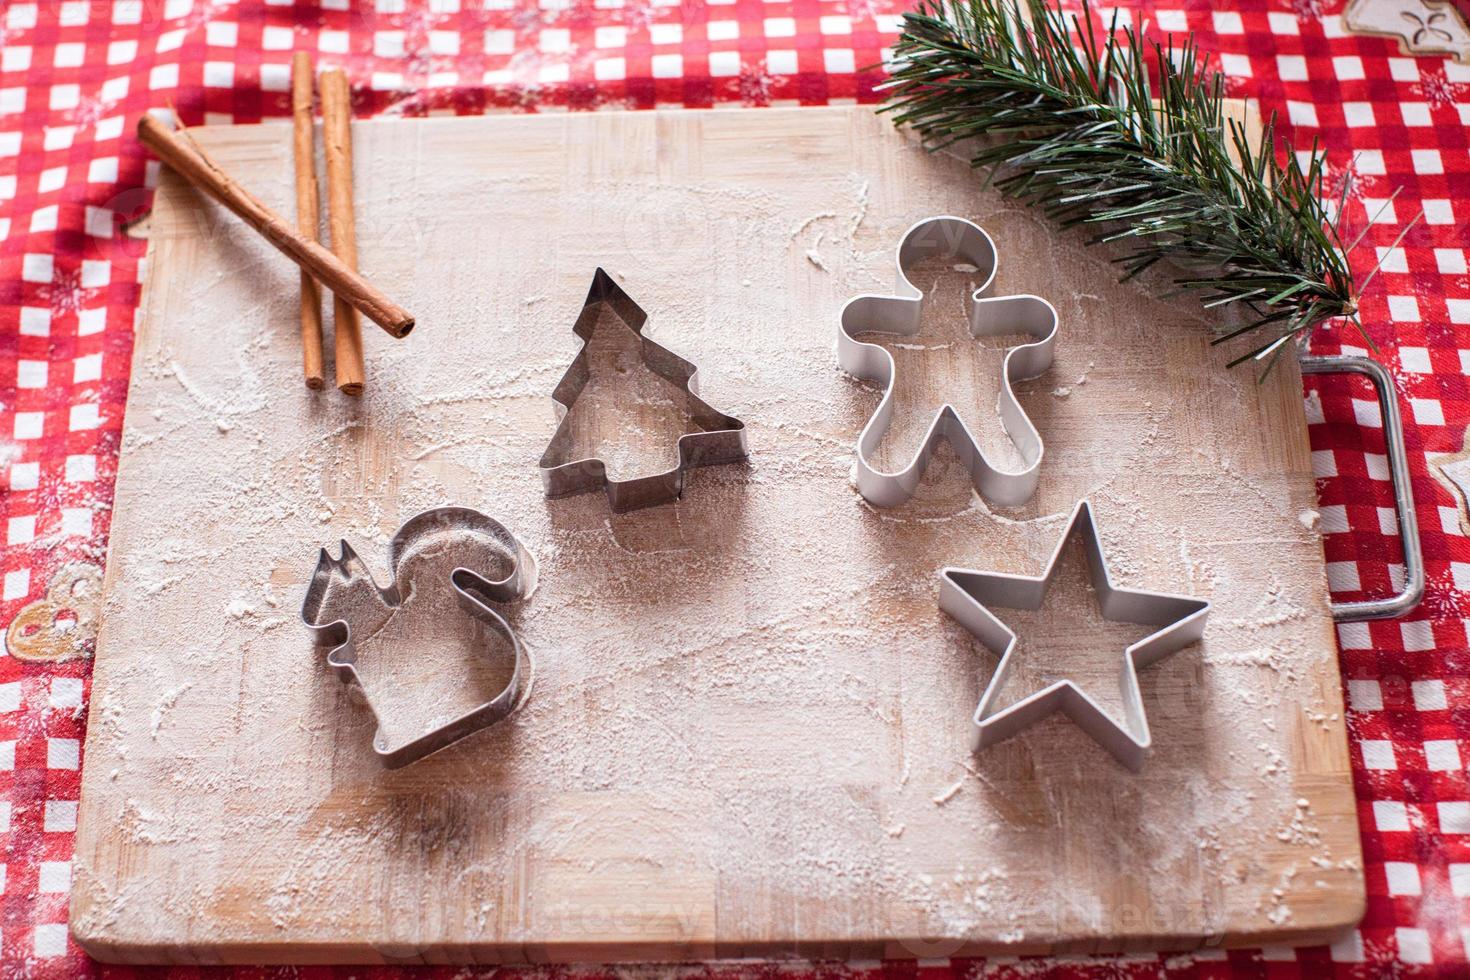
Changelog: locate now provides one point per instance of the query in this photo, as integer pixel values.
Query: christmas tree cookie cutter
(967, 595)
(718, 438)
(330, 618)
(899, 314)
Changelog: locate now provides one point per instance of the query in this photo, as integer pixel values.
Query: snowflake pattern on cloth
(75, 75)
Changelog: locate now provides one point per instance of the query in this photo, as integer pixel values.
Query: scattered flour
(945, 795)
(165, 704)
(783, 696)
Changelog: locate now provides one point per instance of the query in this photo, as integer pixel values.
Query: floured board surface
(749, 727)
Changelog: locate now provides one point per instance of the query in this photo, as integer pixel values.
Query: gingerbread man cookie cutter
(899, 314)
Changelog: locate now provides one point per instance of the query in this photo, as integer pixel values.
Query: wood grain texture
(749, 725)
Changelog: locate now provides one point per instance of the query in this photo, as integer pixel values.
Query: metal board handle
(1398, 474)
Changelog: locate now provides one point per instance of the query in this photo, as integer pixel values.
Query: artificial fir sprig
(1076, 126)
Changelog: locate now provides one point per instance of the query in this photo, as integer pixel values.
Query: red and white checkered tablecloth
(75, 75)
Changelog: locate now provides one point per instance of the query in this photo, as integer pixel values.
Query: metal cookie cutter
(718, 438)
(343, 590)
(965, 595)
(956, 238)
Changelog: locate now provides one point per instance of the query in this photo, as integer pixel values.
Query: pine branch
(1079, 129)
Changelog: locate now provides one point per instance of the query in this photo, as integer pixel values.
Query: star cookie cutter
(966, 596)
(899, 314)
(442, 527)
(719, 438)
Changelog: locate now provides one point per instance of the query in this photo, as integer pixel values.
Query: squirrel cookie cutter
(331, 627)
(899, 314)
(966, 596)
(718, 438)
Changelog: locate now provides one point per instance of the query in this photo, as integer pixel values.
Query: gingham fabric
(74, 76)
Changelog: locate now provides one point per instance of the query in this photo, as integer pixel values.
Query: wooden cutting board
(749, 727)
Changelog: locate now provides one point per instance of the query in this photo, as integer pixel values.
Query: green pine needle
(1077, 128)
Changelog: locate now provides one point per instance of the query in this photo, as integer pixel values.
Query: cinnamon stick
(337, 139)
(308, 215)
(199, 169)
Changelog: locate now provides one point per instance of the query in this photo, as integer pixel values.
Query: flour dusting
(748, 707)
